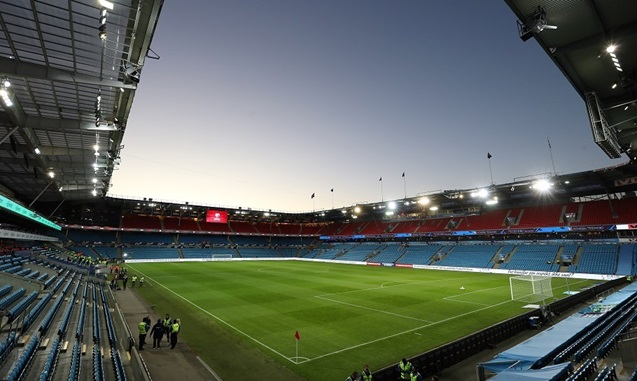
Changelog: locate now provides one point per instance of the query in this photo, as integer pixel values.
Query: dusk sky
(259, 104)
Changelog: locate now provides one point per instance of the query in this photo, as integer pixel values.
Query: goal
(221, 257)
(530, 288)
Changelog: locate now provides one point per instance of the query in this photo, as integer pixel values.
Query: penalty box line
(372, 309)
(220, 319)
(404, 332)
(383, 286)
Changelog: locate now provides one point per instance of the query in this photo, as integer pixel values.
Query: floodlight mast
(534, 24)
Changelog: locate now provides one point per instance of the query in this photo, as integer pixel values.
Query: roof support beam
(599, 38)
(17, 68)
(6, 136)
(51, 151)
(51, 124)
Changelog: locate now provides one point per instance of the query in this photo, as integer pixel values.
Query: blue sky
(259, 104)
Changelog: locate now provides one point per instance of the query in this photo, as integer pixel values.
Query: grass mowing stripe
(268, 301)
(382, 286)
(408, 331)
(217, 318)
(371, 309)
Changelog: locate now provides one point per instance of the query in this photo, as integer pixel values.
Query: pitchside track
(346, 315)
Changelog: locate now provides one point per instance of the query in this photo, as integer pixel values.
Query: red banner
(216, 216)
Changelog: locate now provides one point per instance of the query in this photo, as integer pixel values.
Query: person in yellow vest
(143, 327)
(404, 367)
(141, 281)
(133, 279)
(366, 375)
(168, 326)
(415, 374)
(174, 330)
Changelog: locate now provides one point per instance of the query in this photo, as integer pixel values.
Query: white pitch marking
(221, 320)
(403, 332)
(373, 309)
(381, 286)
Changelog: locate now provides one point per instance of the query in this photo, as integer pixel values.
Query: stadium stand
(477, 256)
(533, 257)
(183, 224)
(135, 221)
(597, 259)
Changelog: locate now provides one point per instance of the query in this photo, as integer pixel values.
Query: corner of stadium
(525, 280)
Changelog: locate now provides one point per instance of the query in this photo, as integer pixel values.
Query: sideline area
(164, 364)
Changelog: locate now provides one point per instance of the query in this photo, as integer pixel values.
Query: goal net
(221, 257)
(530, 288)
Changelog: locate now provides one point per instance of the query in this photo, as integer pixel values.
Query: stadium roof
(594, 43)
(69, 71)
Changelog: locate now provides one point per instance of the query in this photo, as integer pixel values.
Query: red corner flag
(297, 336)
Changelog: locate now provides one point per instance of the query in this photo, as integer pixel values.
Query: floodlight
(424, 201)
(491, 202)
(357, 209)
(481, 193)
(106, 4)
(542, 185)
(614, 86)
(94, 180)
(6, 83)
(611, 49)
(94, 192)
(37, 151)
(132, 72)
(389, 213)
(534, 24)
(433, 208)
(391, 205)
(51, 174)
(96, 147)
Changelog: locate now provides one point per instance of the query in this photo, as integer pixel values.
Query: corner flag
(297, 336)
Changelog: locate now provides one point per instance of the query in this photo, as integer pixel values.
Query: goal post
(530, 288)
(221, 257)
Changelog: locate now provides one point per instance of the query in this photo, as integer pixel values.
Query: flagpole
(332, 190)
(551, 152)
(382, 198)
(490, 170)
(405, 184)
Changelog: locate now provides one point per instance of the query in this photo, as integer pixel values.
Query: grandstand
(70, 93)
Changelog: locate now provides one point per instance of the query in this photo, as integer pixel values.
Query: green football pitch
(240, 315)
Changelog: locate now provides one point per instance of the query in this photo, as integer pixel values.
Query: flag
(381, 179)
(403, 174)
(547, 139)
(332, 190)
(312, 196)
(489, 155)
(297, 336)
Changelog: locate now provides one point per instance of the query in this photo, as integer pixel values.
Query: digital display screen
(216, 216)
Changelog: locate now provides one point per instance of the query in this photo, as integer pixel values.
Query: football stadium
(529, 279)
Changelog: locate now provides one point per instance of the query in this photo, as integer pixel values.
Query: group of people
(164, 327)
(407, 372)
(121, 275)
